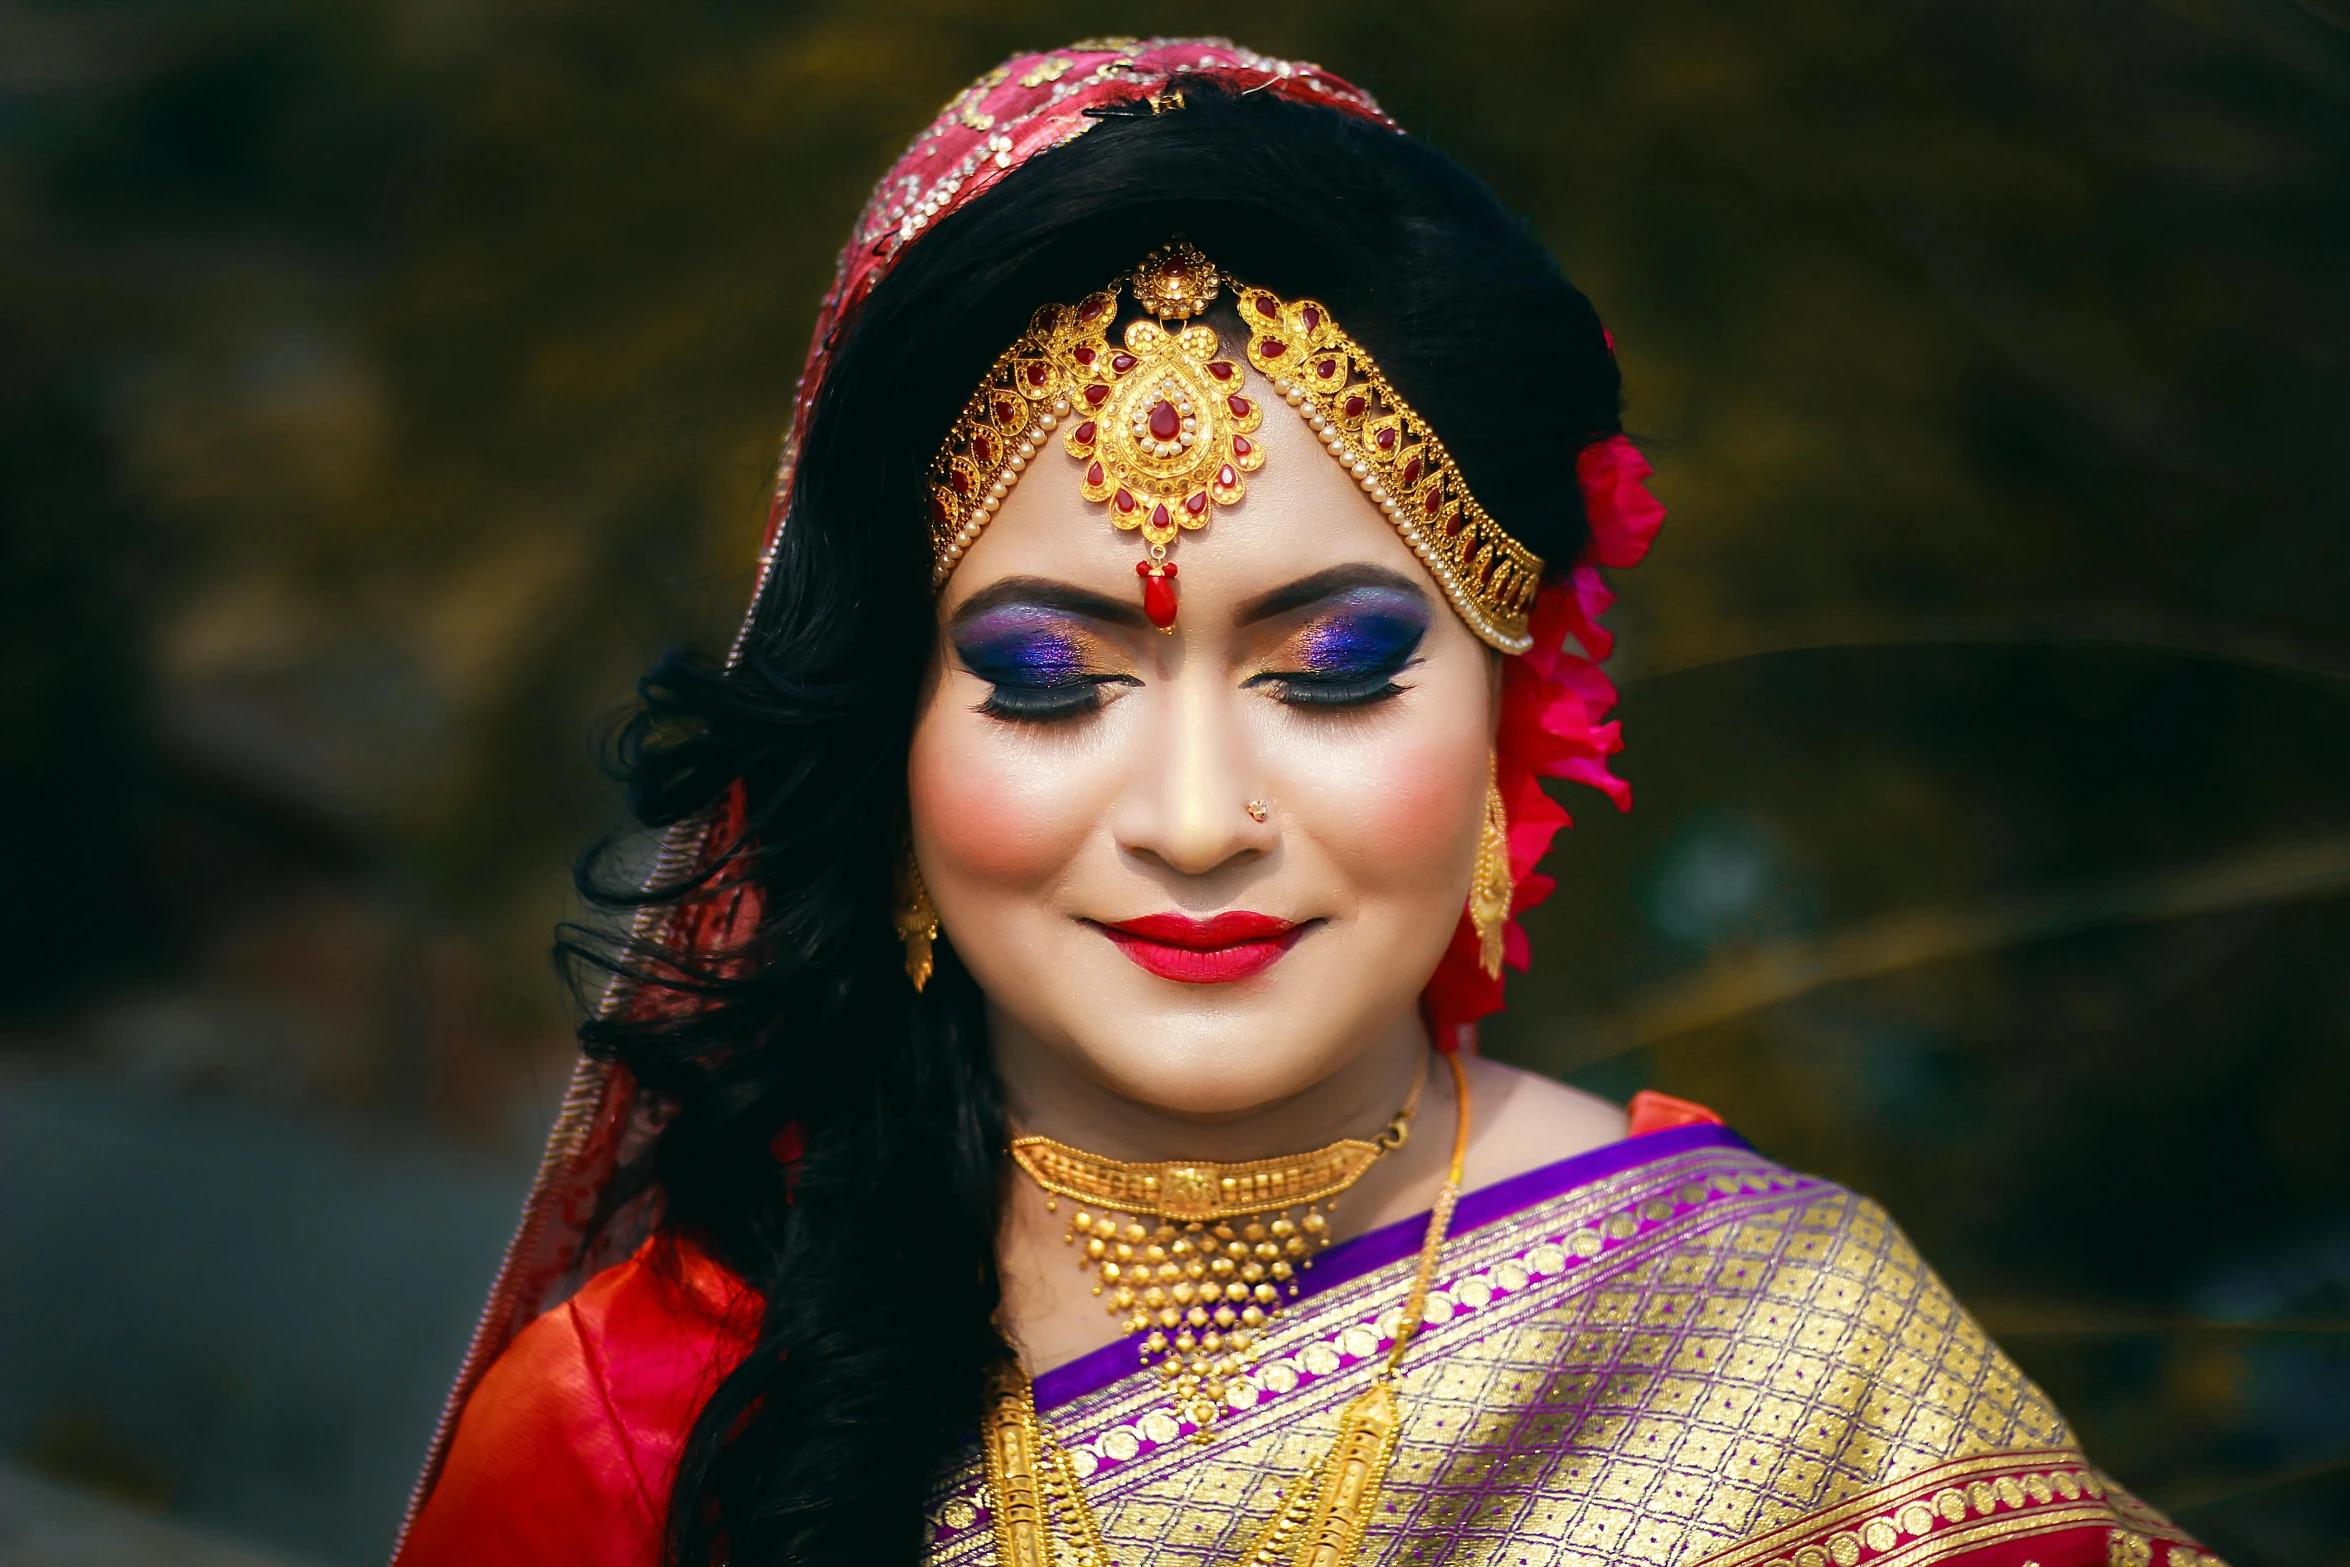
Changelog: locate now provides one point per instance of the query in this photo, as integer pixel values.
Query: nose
(1187, 809)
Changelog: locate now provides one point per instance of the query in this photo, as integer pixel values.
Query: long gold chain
(1200, 1280)
(1035, 1497)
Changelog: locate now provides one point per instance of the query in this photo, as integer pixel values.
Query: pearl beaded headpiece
(1163, 424)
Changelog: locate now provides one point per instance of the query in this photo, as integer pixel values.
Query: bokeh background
(383, 382)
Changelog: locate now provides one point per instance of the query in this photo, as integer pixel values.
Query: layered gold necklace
(1197, 1256)
(1035, 1496)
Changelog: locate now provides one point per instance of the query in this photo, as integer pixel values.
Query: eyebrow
(1322, 585)
(1051, 593)
(1048, 593)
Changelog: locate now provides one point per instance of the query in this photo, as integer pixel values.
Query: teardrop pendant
(1158, 592)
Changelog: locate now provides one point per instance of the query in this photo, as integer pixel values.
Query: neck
(1051, 1093)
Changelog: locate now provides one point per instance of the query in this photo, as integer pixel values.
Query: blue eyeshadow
(1024, 645)
(1362, 631)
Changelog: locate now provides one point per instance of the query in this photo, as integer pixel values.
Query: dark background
(382, 382)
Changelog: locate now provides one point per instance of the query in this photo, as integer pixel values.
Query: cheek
(989, 812)
(1397, 814)
(1408, 826)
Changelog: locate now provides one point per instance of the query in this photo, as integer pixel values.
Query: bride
(1036, 1118)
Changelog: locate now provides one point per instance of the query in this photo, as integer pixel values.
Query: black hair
(875, 1246)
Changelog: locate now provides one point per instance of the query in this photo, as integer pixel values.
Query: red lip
(1214, 951)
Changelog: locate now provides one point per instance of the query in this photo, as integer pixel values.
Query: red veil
(1555, 698)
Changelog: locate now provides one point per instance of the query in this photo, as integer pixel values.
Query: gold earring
(1489, 890)
(916, 919)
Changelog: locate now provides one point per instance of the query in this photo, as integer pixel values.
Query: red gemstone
(1083, 434)
(1158, 594)
(1095, 396)
(1196, 502)
(1238, 404)
(1454, 522)
(1268, 307)
(939, 514)
(1121, 362)
(1326, 369)
(1166, 423)
(1241, 446)
(960, 480)
(1006, 411)
(1387, 440)
(1411, 469)
(1125, 500)
(1225, 477)
(1311, 317)
(1093, 476)
(1091, 308)
(1159, 515)
(1036, 375)
(1355, 406)
(1275, 348)
(1083, 356)
(1221, 369)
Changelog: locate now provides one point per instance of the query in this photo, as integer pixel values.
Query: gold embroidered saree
(1666, 1351)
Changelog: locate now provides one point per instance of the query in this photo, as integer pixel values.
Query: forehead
(1302, 513)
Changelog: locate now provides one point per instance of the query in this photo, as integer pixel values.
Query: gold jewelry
(1032, 1486)
(1490, 888)
(1211, 1268)
(1362, 421)
(1256, 810)
(915, 918)
(1164, 428)
(1159, 423)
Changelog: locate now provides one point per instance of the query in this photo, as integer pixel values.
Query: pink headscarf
(1555, 699)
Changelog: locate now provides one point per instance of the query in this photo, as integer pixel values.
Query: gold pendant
(1325, 1523)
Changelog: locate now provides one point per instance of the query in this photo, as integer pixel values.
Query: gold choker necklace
(1220, 1250)
(1034, 1492)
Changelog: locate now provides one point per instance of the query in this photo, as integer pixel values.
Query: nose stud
(1256, 810)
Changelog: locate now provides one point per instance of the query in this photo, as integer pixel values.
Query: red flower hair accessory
(1554, 705)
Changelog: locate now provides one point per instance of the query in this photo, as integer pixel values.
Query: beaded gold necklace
(1034, 1494)
(1220, 1249)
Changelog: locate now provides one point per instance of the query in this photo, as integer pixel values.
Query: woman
(1013, 1134)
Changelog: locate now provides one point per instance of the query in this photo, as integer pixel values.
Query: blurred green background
(383, 382)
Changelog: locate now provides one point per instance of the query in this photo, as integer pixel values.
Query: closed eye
(1350, 649)
(1042, 664)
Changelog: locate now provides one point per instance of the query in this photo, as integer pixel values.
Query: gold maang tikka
(1159, 420)
(1195, 1256)
(1165, 428)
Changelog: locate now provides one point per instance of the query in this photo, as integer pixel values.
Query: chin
(1214, 1051)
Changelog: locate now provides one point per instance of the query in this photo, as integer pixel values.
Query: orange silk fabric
(567, 1450)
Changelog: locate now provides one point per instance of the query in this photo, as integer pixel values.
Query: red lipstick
(1214, 951)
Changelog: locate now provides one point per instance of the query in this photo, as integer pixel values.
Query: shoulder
(1823, 1391)
(568, 1446)
(1523, 1120)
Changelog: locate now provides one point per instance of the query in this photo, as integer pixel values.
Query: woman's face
(1081, 783)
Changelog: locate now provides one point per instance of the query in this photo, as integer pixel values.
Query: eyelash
(1303, 690)
(1057, 703)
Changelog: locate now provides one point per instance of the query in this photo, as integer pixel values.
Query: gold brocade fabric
(1704, 1359)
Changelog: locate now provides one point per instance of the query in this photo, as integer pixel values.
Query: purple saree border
(1376, 1249)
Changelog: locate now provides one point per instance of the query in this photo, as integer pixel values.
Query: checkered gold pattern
(1656, 1368)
